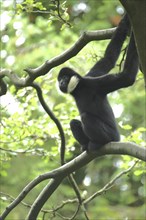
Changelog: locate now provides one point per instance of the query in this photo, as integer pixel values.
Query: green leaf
(127, 127)
(40, 6)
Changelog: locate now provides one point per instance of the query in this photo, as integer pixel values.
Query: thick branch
(117, 148)
(98, 193)
(17, 81)
(43, 197)
(3, 87)
(111, 148)
(84, 39)
(120, 148)
(137, 15)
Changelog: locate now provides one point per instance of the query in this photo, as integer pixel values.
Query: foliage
(30, 139)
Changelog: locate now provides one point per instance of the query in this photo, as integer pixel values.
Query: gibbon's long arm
(112, 52)
(111, 82)
(98, 125)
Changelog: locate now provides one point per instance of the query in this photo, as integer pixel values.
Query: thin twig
(110, 184)
(59, 15)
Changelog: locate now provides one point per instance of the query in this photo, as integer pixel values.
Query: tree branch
(58, 124)
(137, 15)
(43, 197)
(83, 40)
(83, 202)
(117, 148)
(3, 87)
(52, 116)
(110, 148)
(110, 184)
(17, 81)
(59, 15)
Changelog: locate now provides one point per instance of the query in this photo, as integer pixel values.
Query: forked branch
(57, 175)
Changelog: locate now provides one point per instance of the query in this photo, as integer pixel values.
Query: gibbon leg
(79, 134)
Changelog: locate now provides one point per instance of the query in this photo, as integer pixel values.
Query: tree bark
(137, 14)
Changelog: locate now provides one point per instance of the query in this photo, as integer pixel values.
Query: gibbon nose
(62, 86)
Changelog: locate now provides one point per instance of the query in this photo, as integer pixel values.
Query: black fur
(98, 126)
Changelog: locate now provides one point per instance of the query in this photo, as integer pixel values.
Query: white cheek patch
(74, 80)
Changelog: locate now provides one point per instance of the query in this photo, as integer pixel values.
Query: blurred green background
(29, 139)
